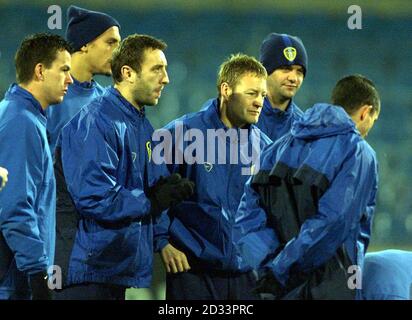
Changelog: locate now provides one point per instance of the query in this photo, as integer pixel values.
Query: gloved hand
(39, 288)
(269, 284)
(168, 192)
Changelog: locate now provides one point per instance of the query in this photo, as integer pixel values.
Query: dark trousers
(91, 291)
(210, 285)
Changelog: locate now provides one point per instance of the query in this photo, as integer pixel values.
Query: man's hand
(3, 177)
(174, 260)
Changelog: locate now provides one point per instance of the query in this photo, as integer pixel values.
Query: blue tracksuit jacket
(78, 95)
(274, 122)
(202, 226)
(317, 189)
(387, 275)
(27, 203)
(106, 157)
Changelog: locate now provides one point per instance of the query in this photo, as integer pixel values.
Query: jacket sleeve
(340, 210)
(90, 162)
(22, 155)
(253, 240)
(165, 137)
(367, 219)
(161, 231)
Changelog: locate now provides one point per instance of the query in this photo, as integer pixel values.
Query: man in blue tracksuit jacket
(195, 238)
(317, 189)
(104, 155)
(27, 203)
(286, 62)
(93, 36)
(387, 275)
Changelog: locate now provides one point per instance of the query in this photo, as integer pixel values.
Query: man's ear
(225, 90)
(39, 72)
(127, 73)
(365, 110)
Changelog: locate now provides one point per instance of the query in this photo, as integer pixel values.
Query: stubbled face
(152, 78)
(57, 78)
(366, 125)
(246, 100)
(99, 51)
(284, 82)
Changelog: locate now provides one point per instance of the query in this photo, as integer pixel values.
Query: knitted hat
(85, 25)
(282, 49)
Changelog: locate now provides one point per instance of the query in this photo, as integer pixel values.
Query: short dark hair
(354, 91)
(130, 52)
(236, 66)
(34, 49)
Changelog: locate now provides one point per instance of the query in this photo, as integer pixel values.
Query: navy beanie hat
(85, 25)
(279, 50)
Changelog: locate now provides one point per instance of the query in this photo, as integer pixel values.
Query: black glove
(269, 284)
(168, 192)
(39, 288)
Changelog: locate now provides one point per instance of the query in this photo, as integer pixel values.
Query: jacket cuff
(160, 243)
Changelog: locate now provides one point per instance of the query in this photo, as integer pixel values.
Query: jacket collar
(86, 85)
(213, 113)
(268, 110)
(31, 101)
(125, 105)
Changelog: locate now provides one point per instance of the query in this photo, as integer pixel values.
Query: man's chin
(289, 93)
(148, 103)
(252, 120)
(152, 103)
(57, 100)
